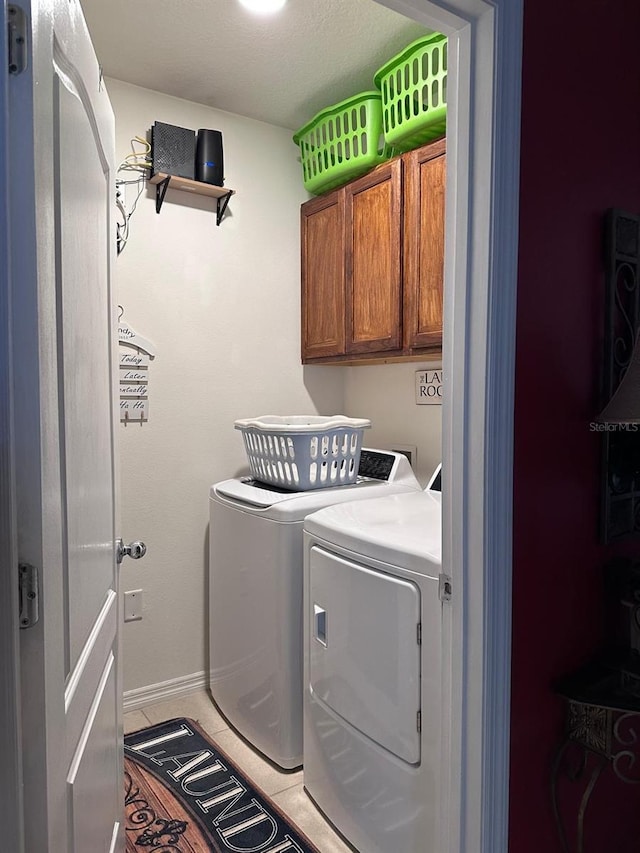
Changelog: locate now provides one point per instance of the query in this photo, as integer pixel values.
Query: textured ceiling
(281, 69)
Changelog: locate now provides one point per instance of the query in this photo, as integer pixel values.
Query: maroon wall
(580, 156)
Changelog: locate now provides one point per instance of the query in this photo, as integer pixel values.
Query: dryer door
(364, 652)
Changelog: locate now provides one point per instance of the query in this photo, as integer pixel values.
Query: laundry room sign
(134, 356)
(429, 387)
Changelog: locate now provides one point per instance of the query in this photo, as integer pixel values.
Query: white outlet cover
(133, 605)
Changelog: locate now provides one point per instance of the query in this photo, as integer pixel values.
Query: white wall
(222, 306)
(386, 394)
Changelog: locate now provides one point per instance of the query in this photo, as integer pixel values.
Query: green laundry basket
(414, 93)
(342, 142)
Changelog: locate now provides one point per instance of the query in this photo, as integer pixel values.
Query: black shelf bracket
(223, 201)
(161, 191)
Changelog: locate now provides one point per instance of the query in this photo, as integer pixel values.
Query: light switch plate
(133, 605)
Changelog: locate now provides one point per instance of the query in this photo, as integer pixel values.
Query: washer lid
(402, 530)
(380, 472)
(288, 507)
(252, 492)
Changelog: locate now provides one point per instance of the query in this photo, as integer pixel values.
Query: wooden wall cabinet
(372, 264)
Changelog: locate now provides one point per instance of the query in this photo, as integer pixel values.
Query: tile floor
(284, 788)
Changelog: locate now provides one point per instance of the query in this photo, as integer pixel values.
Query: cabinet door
(323, 302)
(373, 213)
(424, 245)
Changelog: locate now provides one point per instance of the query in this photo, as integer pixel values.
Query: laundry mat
(185, 795)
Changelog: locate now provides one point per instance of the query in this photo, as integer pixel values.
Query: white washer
(255, 598)
(372, 668)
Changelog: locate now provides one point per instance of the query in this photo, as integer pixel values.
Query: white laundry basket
(302, 452)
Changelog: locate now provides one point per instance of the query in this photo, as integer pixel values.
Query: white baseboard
(172, 689)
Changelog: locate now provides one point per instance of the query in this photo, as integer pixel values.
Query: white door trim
(11, 805)
(483, 163)
(483, 155)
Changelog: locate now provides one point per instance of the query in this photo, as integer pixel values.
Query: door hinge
(29, 596)
(419, 633)
(17, 39)
(419, 721)
(444, 587)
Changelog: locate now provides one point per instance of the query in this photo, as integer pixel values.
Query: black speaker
(209, 159)
(173, 150)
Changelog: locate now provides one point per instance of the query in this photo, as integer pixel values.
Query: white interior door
(10, 764)
(61, 185)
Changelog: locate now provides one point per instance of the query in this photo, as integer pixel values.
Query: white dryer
(372, 668)
(255, 597)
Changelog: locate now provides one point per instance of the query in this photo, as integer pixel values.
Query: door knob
(135, 550)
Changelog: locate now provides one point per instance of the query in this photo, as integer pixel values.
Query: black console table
(602, 730)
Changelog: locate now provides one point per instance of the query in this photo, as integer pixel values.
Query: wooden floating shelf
(163, 182)
(178, 183)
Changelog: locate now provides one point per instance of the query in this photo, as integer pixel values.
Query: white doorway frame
(483, 172)
(485, 38)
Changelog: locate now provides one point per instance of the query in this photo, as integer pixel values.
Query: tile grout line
(287, 787)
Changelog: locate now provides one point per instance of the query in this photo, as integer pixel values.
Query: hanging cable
(139, 162)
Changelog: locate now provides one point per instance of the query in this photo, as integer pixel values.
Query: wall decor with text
(429, 387)
(134, 355)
